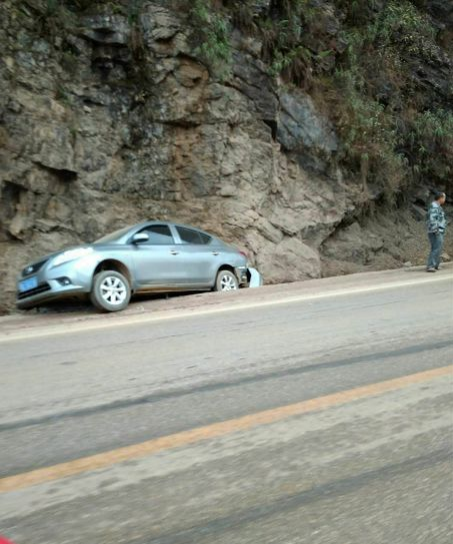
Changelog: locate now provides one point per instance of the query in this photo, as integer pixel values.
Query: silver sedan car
(149, 257)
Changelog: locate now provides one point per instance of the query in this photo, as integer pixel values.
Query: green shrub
(369, 136)
(431, 144)
(214, 37)
(283, 33)
(403, 26)
(375, 142)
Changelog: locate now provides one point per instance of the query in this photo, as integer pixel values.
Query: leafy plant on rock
(369, 137)
(430, 144)
(214, 46)
(402, 25)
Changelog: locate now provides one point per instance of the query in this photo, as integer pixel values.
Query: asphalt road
(317, 419)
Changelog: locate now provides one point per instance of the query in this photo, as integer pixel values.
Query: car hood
(50, 256)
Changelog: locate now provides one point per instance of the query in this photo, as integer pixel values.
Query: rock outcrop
(118, 119)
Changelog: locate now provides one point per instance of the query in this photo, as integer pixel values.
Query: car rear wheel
(111, 291)
(226, 281)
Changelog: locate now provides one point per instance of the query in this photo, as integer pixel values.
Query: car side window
(189, 236)
(205, 238)
(159, 235)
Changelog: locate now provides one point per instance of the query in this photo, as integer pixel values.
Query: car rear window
(159, 235)
(190, 236)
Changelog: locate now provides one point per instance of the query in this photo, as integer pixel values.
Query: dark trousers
(437, 241)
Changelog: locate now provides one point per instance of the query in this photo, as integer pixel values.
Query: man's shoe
(431, 269)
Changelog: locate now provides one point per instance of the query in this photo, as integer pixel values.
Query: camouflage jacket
(436, 219)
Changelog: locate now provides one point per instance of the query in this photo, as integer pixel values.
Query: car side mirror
(140, 238)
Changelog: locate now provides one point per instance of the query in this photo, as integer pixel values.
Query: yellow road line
(67, 327)
(215, 430)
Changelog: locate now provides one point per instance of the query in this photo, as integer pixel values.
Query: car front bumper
(53, 283)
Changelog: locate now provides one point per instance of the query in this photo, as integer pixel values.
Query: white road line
(68, 328)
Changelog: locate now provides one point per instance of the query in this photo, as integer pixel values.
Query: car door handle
(174, 252)
(215, 253)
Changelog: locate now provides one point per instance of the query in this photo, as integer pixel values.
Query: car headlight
(71, 255)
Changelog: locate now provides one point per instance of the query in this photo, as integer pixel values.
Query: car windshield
(113, 237)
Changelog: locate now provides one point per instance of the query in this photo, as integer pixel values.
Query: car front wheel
(111, 291)
(226, 281)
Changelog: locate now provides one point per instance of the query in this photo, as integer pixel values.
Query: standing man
(437, 225)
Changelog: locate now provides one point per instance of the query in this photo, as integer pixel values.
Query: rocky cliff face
(113, 112)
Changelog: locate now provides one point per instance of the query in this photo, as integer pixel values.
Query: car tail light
(243, 253)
